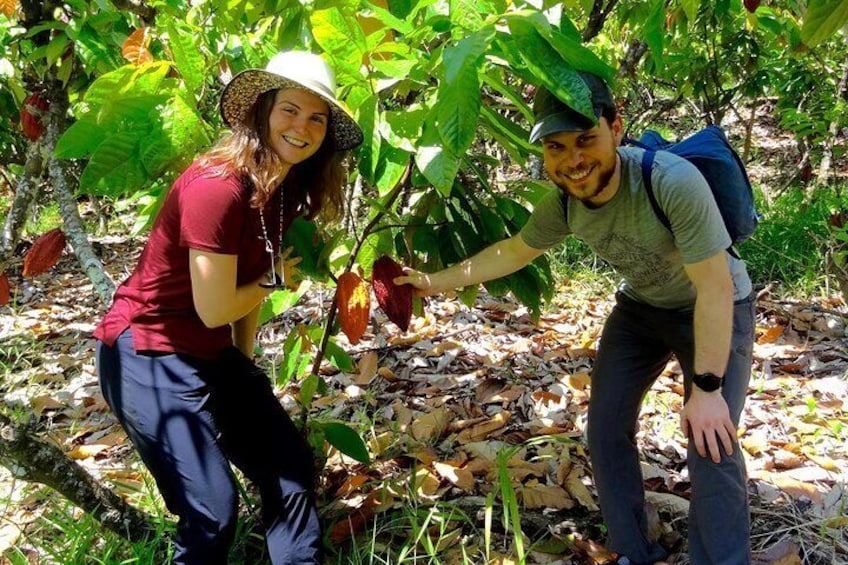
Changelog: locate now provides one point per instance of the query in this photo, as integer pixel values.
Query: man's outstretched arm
(498, 260)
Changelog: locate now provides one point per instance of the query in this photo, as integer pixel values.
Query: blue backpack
(724, 171)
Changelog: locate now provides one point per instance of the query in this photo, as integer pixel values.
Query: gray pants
(637, 342)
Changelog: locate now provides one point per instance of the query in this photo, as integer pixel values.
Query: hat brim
(241, 93)
(561, 121)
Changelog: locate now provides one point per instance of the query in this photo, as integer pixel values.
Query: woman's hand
(287, 269)
(420, 281)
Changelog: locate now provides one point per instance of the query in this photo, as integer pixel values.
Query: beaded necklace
(274, 279)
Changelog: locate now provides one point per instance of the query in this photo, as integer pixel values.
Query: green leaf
(654, 32)
(303, 237)
(187, 57)
(345, 439)
(390, 169)
(308, 388)
(182, 133)
(334, 353)
(279, 301)
(514, 136)
(369, 118)
(115, 167)
(690, 8)
(79, 140)
(823, 19)
(550, 68)
(569, 48)
(436, 161)
(341, 36)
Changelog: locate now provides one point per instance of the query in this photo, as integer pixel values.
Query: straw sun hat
(291, 69)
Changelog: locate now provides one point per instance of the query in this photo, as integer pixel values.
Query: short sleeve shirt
(628, 235)
(207, 209)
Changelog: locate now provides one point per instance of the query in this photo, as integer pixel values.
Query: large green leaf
(79, 140)
(340, 35)
(654, 32)
(437, 162)
(368, 114)
(509, 130)
(182, 133)
(303, 237)
(279, 301)
(550, 68)
(187, 56)
(115, 167)
(823, 19)
(569, 48)
(346, 440)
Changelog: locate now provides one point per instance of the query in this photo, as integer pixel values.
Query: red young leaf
(134, 48)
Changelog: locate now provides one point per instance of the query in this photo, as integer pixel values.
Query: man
(683, 294)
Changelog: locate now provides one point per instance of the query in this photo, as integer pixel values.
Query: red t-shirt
(206, 211)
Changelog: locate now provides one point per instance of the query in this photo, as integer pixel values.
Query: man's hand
(421, 282)
(707, 417)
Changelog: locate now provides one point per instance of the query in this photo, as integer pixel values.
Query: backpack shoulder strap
(647, 168)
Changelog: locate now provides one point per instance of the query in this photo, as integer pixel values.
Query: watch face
(707, 382)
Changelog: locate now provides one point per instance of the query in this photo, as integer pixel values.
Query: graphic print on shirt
(639, 265)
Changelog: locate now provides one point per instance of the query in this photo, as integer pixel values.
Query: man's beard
(603, 180)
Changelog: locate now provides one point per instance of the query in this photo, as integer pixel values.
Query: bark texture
(31, 459)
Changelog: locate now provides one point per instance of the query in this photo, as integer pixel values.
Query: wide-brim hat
(552, 115)
(291, 69)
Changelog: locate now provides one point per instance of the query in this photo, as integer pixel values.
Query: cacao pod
(44, 253)
(396, 301)
(31, 113)
(4, 290)
(354, 304)
(752, 5)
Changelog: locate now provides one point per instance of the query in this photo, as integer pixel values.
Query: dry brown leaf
(426, 482)
(673, 504)
(546, 397)
(769, 335)
(822, 461)
(575, 487)
(783, 552)
(482, 430)
(352, 484)
(380, 443)
(367, 368)
(459, 477)
(41, 403)
(784, 459)
(430, 426)
(579, 381)
(387, 374)
(794, 487)
(546, 496)
(86, 451)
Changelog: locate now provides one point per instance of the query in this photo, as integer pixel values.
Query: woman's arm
(217, 299)
(244, 331)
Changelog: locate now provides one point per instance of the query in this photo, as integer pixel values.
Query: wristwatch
(707, 382)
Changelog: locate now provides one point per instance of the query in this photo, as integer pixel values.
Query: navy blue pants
(189, 419)
(637, 342)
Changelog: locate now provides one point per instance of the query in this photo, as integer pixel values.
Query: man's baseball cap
(553, 115)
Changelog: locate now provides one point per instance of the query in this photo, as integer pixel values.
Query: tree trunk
(823, 175)
(597, 18)
(31, 459)
(27, 190)
(62, 191)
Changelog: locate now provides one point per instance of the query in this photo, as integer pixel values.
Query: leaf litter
(438, 404)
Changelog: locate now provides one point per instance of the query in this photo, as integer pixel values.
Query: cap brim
(242, 91)
(562, 121)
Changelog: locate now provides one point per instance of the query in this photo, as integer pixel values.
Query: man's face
(582, 163)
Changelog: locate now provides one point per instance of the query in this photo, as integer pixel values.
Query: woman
(173, 352)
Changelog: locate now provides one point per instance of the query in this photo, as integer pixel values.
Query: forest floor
(439, 403)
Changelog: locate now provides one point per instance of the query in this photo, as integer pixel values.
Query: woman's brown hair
(311, 187)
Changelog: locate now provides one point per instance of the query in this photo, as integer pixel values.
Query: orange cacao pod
(31, 112)
(44, 253)
(354, 303)
(4, 289)
(396, 301)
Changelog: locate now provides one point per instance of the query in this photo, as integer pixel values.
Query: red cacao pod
(4, 290)
(752, 5)
(396, 301)
(31, 113)
(354, 304)
(44, 253)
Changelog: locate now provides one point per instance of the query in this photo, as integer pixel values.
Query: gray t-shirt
(627, 234)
